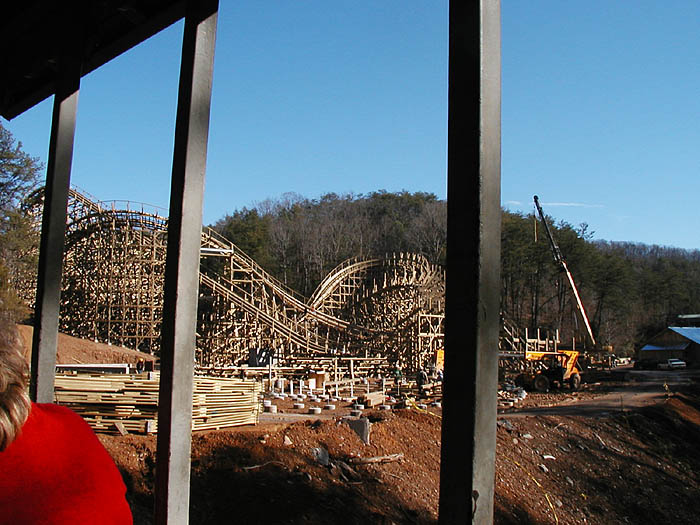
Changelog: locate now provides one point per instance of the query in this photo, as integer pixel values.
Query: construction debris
(510, 395)
(390, 458)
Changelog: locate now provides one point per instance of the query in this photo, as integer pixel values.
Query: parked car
(671, 364)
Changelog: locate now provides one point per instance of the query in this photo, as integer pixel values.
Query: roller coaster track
(349, 278)
(306, 327)
(386, 307)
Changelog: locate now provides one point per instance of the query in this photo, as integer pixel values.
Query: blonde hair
(14, 371)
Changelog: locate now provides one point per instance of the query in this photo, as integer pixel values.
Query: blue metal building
(682, 342)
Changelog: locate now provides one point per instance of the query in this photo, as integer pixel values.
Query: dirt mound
(632, 467)
(72, 350)
(635, 467)
(279, 474)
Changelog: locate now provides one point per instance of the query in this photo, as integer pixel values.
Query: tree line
(300, 240)
(630, 290)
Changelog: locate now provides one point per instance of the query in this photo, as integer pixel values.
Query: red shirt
(58, 472)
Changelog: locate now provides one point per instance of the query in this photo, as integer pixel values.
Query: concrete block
(361, 427)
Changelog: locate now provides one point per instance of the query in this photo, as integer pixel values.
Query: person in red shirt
(53, 469)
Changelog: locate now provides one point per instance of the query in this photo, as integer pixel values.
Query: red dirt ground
(72, 350)
(628, 467)
(637, 467)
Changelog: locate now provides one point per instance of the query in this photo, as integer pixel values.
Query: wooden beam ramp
(118, 403)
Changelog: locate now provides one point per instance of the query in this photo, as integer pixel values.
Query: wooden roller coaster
(390, 308)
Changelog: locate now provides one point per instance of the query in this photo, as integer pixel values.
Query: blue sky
(601, 113)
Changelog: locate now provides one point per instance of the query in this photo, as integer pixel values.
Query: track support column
(473, 264)
(182, 264)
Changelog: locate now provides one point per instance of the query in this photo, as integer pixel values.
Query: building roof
(650, 348)
(689, 332)
(33, 33)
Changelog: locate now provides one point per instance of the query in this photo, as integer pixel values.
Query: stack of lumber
(129, 403)
(373, 399)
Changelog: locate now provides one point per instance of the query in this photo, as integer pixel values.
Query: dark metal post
(473, 264)
(53, 226)
(182, 264)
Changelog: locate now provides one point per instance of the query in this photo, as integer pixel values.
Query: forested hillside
(630, 291)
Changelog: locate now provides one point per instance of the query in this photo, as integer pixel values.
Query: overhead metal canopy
(31, 34)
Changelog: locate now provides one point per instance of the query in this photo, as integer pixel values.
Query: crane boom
(560, 260)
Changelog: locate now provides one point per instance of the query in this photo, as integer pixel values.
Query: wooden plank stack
(373, 399)
(114, 403)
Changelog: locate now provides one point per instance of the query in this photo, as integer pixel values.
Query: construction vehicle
(550, 370)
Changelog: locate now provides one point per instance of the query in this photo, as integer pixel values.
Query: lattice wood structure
(112, 291)
(379, 307)
(515, 343)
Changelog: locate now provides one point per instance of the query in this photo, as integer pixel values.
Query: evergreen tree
(19, 236)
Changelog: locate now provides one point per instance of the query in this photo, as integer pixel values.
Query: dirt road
(640, 388)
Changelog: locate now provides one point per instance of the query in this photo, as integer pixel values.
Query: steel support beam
(473, 264)
(53, 225)
(182, 264)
